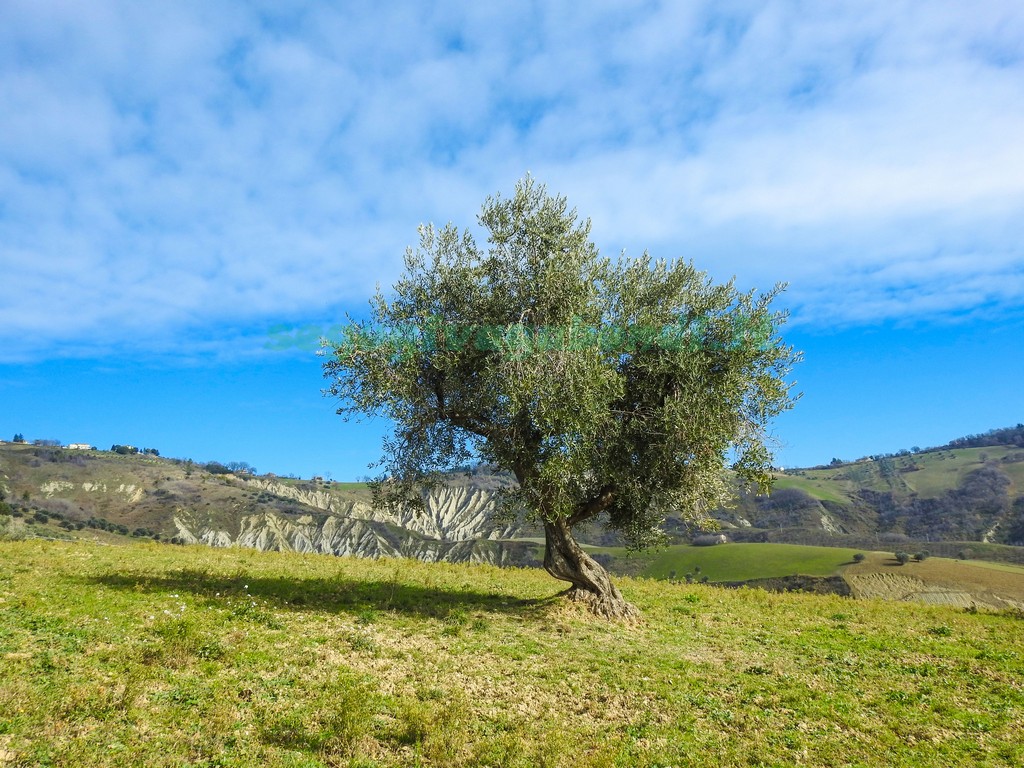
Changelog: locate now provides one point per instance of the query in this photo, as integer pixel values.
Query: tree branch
(594, 506)
(460, 420)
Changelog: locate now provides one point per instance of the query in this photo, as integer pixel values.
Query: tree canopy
(611, 389)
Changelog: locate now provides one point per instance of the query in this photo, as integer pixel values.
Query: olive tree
(612, 390)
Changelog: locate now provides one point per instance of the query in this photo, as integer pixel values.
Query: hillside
(945, 495)
(965, 502)
(151, 655)
(105, 496)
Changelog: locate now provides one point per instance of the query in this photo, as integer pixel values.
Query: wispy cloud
(170, 170)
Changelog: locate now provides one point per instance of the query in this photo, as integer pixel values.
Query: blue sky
(179, 179)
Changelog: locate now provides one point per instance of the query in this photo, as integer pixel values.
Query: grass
(167, 656)
(349, 486)
(1006, 567)
(822, 488)
(941, 472)
(743, 562)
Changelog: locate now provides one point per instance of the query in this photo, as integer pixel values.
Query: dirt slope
(937, 580)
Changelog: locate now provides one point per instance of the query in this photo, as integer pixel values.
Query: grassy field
(730, 562)
(742, 562)
(817, 484)
(168, 656)
(1005, 567)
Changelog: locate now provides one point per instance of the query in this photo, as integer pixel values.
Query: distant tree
(19, 438)
(216, 468)
(902, 558)
(611, 390)
(859, 557)
(921, 556)
(835, 462)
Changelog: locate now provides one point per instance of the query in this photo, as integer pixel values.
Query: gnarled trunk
(591, 585)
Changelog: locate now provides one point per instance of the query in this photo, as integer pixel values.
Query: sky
(192, 192)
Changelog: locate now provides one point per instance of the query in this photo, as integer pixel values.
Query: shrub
(859, 557)
(902, 558)
(709, 539)
(8, 532)
(922, 555)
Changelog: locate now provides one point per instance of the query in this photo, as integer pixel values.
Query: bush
(859, 557)
(902, 558)
(923, 555)
(8, 532)
(709, 539)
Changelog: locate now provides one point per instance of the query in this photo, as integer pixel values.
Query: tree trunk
(591, 585)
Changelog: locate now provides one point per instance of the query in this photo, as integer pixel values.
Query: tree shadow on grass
(327, 595)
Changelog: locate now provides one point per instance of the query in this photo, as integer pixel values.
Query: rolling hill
(62, 493)
(964, 500)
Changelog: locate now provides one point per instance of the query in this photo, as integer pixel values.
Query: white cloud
(170, 170)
